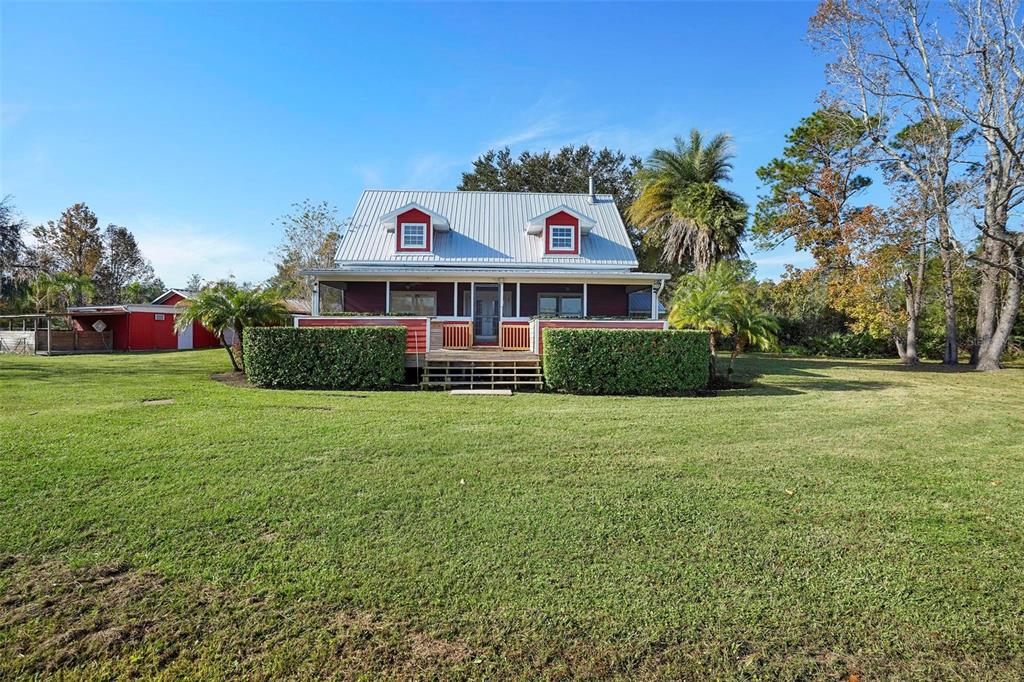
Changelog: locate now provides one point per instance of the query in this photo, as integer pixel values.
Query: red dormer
(562, 230)
(413, 232)
(414, 227)
(562, 235)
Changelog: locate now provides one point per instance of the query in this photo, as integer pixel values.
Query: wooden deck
(481, 354)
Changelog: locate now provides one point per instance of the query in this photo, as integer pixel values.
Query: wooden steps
(481, 371)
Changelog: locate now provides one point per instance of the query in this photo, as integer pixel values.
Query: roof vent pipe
(593, 199)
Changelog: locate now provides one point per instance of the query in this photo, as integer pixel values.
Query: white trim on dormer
(535, 225)
(437, 221)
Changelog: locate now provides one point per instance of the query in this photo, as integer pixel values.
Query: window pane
(572, 306)
(640, 303)
(508, 306)
(414, 235)
(426, 304)
(402, 302)
(561, 237)
(547, 305)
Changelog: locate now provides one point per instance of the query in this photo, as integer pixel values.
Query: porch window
(414, 235)
(560, 305)
(640, 303)
(419, 303)
(561, 238)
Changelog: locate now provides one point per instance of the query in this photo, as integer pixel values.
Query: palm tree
(74, 288)
(752, 327)
(226, 307)
(683, 205)
(706, 301)
(44, 292)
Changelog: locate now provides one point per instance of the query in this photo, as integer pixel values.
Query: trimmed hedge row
(325, 357)
(625, 361)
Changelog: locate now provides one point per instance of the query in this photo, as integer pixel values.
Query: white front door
(185, 339)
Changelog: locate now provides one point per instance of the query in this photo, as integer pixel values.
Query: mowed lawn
(836, 518)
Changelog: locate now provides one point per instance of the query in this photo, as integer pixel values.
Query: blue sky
(197, 125)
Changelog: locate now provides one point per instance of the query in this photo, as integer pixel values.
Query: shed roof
(486, 229)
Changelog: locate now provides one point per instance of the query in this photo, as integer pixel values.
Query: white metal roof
(399, 273)
(487, 229)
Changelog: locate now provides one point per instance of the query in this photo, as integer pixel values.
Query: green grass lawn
(835, 518)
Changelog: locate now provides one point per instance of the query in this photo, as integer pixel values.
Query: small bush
(847, 345)
(625, 361)
(325, 357)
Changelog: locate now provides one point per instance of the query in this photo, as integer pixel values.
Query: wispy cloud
(432, 170)
(546, 126)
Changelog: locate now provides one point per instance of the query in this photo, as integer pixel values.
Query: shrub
(625, 361)
(848, 345)
(325, 357)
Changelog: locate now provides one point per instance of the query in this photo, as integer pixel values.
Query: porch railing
(457, 334)
(515, 336)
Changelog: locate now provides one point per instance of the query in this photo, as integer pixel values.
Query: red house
(144, 326)
(484, 272)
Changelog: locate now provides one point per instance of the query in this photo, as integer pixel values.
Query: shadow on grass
(799, 376)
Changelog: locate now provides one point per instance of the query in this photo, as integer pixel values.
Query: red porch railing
(457, 334)
(515, 336)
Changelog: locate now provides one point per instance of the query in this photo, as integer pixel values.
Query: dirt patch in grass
(236, 379)
(58, 619)
(55, 616)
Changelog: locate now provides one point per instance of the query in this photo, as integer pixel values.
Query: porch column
(654, 302)
(501, 300)
(472, 299)
(584, 300)
(455, 299)
(314, 305)
(519, 299)
(387, 296)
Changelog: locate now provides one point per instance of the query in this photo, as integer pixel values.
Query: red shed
(144, 326)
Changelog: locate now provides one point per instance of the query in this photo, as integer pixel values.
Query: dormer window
(562, 238)
(414, 226)
(561, 229)
(414, 236)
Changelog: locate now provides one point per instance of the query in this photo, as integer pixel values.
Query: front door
(486, 314)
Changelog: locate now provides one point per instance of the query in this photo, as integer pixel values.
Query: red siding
(562, 218)
(365, 297)
(412, 216)
(118, 324)
(145, 332)
(172, 299)
(607, 300)
(203, 337)
(594, 324)
(416, 328)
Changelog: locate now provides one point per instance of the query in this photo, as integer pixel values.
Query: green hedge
(325, 357)
(625, 361)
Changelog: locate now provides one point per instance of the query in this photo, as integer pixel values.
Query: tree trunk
(714, 354)
(901, 350)
(910, 351)
(914, 292)
(236, 347)
(950, 349)
(990, 355)
(231, 354)
(988, 295)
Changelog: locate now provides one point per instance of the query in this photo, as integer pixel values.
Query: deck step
(482, 373)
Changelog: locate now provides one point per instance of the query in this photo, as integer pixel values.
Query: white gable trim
(535, 225)
(437, 221)
(170, 292)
